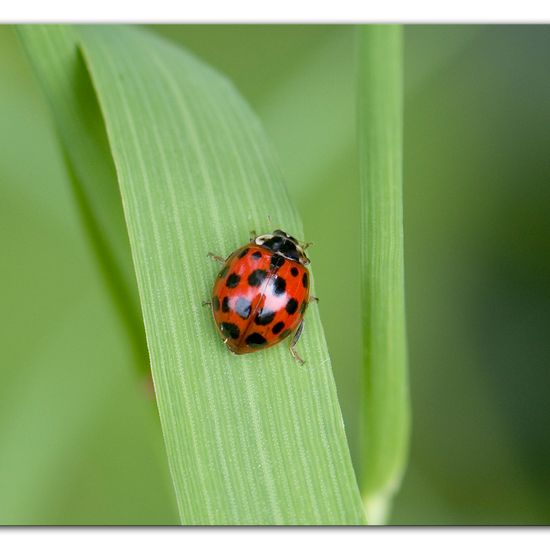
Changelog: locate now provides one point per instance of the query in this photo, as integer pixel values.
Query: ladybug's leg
(305, 245)
(253, 235)
(206, 304)
(294, 341)
(313, 299)
(216, 257)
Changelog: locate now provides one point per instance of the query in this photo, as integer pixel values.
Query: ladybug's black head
(284, 244)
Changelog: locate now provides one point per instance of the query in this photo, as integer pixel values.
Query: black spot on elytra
(255, 339)
(242, 307)
(257, 255)
(231, 330)
(223, 272)
(276, 262)
(305, 279)
(232, 281)
(284, 334)
(225, 304)
(291, 306)
(278, 327)
(294, 271)
(243, 253)
(215, 303)
(264, 317)
(279, 286)
(257, 277)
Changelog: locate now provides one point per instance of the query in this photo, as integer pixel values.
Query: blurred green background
(80, 440)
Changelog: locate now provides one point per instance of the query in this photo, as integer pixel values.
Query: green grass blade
(250, 439)
(80, 126)
(386, 415)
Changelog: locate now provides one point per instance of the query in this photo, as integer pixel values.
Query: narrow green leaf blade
(250, 439)
(385, 402)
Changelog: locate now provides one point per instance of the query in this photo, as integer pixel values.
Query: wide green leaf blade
(250, 439)
(385, 400)
(90, 166)
(80, 439)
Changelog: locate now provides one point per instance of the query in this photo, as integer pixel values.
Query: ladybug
(261, 293)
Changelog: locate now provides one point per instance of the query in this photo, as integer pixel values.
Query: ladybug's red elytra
(261, 293)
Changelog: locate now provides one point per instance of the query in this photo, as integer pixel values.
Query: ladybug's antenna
(270, 221)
